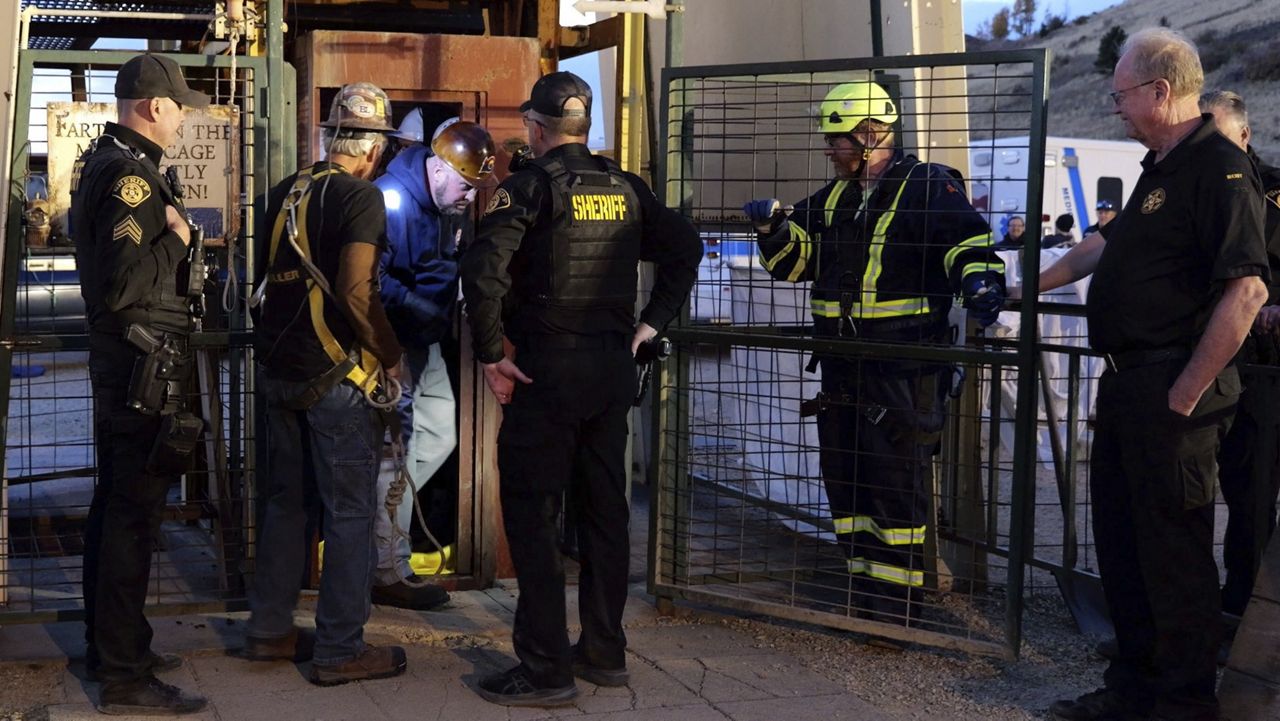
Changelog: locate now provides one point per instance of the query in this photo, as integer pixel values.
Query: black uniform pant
(878, 429)
(1153, 476)
(124, 520)
(1249, 468)
(567, 431)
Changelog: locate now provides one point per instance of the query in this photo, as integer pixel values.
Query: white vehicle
(1078, 172)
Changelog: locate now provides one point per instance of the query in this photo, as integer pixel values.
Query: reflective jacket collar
(135, 140)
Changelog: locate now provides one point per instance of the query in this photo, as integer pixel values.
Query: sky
(976, 11)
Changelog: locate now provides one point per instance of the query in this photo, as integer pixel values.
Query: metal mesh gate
(747, 512)
(50, 465)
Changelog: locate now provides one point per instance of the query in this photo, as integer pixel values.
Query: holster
(156, 384)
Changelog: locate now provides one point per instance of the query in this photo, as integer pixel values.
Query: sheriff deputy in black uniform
(131, 248)
(554, 267)
(1250, 453)
(1178, 282)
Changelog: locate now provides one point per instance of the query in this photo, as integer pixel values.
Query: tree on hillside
(1109, 50)
(1000, 24)
(1023, 17)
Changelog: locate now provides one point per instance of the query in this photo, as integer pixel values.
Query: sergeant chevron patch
(128, 228)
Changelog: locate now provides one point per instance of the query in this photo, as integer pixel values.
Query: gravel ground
(25, 690)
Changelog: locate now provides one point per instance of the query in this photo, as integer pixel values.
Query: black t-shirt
(1195, 219)
(342, 209)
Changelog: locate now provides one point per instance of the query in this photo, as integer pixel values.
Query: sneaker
(517, 688)
(599, 675)
(413, 593)
(296, 646)
(611, 677)
(1102, 705)
(373, 662)
(147, 697)
(156, 663)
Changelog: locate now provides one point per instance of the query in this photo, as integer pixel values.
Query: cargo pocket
(1197, 468)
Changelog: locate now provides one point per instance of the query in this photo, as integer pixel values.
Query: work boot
(156, 663)
(1105, 704)
(296, 646)
(517, 688)
(146, 697)
(373, 662)
(416, 598)
(600, 676)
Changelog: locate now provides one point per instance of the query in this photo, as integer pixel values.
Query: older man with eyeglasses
(1178, 279)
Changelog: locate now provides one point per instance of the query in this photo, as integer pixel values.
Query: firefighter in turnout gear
(886, 245)
(554, 268)
(330, 366)
(132, 244)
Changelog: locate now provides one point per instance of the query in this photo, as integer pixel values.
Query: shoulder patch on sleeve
(499, 201)
(1273, 195)
(128, 228)
(131, 190)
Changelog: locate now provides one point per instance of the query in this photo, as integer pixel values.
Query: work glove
(984, 297)
(764, 213)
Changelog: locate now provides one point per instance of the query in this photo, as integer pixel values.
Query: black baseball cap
(552, 92)
(1105, 205)
(156, 76)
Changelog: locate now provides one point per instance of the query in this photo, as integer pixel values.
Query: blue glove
(763, 213)
(984, 296)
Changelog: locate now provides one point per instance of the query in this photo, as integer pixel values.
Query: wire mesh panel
(829, 428)
(50, 463)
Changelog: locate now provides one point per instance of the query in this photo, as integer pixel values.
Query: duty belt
(549, 341)
(1128, 360)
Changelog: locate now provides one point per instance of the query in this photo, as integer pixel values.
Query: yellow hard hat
(851, 103)
(467, 148)
(360, 106)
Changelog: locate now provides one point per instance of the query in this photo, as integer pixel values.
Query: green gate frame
(670, 491)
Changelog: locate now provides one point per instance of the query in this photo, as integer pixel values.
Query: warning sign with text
(206, 153)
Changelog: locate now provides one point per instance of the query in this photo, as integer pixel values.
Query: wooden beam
(591, 38)
(549, 35)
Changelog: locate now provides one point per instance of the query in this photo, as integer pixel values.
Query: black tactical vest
(590, 257)
(161, 308)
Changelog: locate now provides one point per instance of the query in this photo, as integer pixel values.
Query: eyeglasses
(1118, 95)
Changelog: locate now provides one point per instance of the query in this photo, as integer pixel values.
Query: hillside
(1236, 39)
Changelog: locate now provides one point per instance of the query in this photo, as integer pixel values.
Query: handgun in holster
(649, 352)
(156, 385)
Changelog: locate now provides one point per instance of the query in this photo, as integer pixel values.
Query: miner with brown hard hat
(330, 365)
(427, 192)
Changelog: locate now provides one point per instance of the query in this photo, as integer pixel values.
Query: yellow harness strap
(364, 373)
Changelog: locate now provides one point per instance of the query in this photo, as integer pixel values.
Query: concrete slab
(688, 641)
(708, 684)
(86, 711)
(339, 703)
(837, 707)
(774, 674)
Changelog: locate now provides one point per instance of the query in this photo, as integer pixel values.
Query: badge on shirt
(1274, 196)
(128, 228)
(131, 190)
(500, 200)
(1153, 201)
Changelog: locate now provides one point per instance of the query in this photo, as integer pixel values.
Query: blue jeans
(330, 450)
(430, 433)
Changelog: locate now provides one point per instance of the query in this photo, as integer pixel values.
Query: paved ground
(691, 667)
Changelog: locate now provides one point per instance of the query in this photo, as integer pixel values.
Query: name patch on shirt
(1234, 176)
(1153, 201)
(607, 207)
(131, 190)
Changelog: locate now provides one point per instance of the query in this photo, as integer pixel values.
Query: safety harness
(357, 365)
